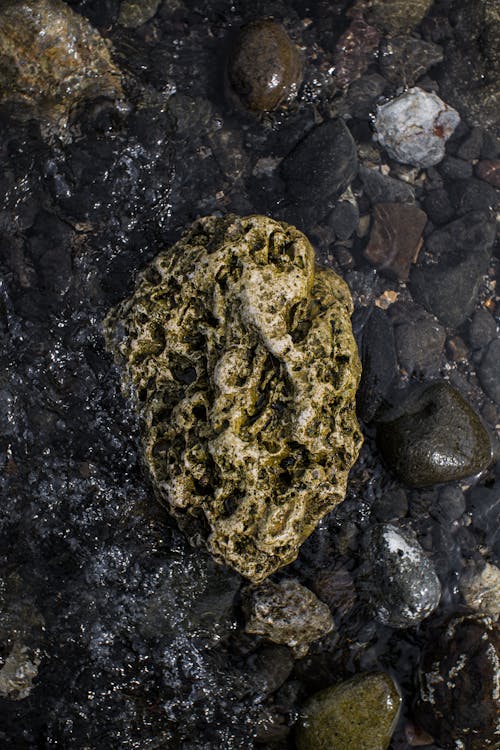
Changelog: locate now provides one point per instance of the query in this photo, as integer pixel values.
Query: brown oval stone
(264, 68)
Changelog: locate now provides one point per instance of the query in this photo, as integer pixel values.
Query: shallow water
(139, 637)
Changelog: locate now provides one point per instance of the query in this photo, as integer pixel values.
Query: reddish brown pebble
(489, 171)
(396, 237)
(355, 50)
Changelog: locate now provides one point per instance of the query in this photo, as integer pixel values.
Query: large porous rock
(447, 281)
(434, 436)
(459, 700)
(51, 59)
(359, 714)
(401, 582)
(287, 613)
(244, 369)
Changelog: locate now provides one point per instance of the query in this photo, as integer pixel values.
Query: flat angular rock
(434, 436)
(395, 238)
(447, 284)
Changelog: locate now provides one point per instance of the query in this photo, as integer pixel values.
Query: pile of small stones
(373, 128)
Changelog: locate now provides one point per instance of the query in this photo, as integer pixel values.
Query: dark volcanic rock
(489, 171)
(344, 219)
(489, 371)
(391, 505)
(264, 67)
(355, 50)
(458, 702)
(447, 284)
(470, 76)
(472, 195)
(379, 365)
(321, 166)
(419, 339)
(402, 584)
(382, 189)
(482, 329)
(438, 206)
(404, 59)
(395, 238)
(450, 505)
(434, 436)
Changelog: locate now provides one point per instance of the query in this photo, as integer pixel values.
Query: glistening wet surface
(115, 632)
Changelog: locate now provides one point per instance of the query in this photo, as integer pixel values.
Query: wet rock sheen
(244, 368)
(264, 67)
(434, 436)
(359, 714)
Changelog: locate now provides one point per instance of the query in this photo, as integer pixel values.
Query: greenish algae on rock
(51, 59)
(359, 714)
(244, 368)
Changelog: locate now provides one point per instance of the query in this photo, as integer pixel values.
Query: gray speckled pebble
(414, 127)
(403, 587)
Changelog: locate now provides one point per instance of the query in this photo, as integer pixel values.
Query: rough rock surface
(51, 59)
(287, 613)
(459, 701)
(244, 369)
(481, 591)
(414, 127)
(402, 584)
(434, 436)
(359, 714)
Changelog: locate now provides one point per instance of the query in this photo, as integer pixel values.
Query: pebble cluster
(372, 127)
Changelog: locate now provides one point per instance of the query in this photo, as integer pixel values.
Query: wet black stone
(419, 339)
(459, 671)
(453, 168)
(489, 371)
(321, 166)
(391, 505)
(472, 195)
(438, 206)
(378, 357)
(450, 505)
(401, 582)
(404, 59)
(344, 219)
(448, 284)
(433, 436)
(484, 505)
(470, 148)
(482, 329)
(382, 189)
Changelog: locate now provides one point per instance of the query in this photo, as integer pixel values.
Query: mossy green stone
(359, 714)
(244, 369)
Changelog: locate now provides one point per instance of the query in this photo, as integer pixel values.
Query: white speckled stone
(414, 127)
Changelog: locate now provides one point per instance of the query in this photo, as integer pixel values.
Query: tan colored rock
(244, 369)
(287, 613)
(51, 59)
(481, 591)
